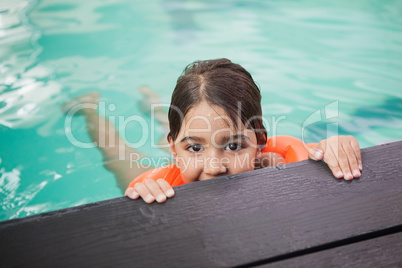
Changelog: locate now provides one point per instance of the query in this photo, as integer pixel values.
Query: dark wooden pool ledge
(294, 216)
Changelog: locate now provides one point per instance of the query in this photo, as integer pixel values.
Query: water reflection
(29, 96)
(381, 123)
(304, 55)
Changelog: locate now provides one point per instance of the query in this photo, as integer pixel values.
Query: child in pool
(216, 129)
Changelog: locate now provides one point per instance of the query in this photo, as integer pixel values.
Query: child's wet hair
(219, 82)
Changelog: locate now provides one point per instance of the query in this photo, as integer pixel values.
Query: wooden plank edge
(334, 244)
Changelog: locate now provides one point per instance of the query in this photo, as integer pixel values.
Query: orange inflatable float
(291, 148)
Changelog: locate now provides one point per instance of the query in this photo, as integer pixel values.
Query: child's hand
(342, 154)
(151, 190)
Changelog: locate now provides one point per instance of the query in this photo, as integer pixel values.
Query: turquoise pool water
(305, 55)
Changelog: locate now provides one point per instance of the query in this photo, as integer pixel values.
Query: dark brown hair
(222, 83)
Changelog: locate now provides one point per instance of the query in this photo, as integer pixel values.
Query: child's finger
(316, 153)
(356, 148)
(166, 188)
(333, 164)
(343, 161)
(155, 190)
(131, 193)
(353, 164)
(128, 191)
(143, 191)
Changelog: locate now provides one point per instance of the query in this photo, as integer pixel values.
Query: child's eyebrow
(192, 139)
(224, 140)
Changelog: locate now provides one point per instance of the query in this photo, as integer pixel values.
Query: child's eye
(195, 148)
(233, 147)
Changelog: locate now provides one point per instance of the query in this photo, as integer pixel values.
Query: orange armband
(170, 173)
(291, 148)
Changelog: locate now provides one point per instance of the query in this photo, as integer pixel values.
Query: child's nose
(215, 169)
(215, 166)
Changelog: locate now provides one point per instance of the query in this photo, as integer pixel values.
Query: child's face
(208, 145)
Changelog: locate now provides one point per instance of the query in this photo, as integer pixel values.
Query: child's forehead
(211, 123)
(208, 116)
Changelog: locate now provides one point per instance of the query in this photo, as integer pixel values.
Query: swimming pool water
(305, 55)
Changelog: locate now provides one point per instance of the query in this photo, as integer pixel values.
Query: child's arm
(342, 154)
